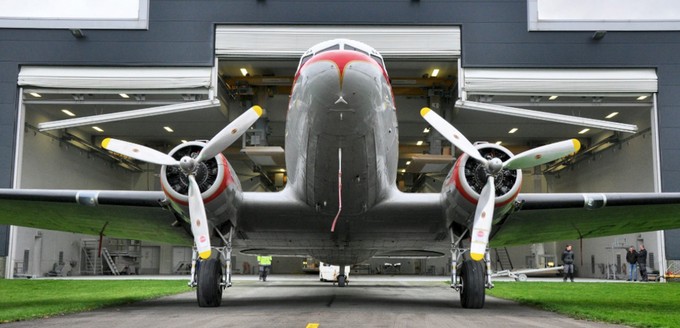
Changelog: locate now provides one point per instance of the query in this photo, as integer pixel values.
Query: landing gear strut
(342, 277)
(211, 276)
(471, 278)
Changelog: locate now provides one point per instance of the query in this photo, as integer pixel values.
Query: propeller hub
(495, 165)
(188, 165)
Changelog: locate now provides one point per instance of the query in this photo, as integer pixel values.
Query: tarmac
(304, 301)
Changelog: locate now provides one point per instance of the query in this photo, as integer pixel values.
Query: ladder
(91, 265)
(109, 262)
(503, 259)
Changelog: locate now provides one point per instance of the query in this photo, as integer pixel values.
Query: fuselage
(341, 120)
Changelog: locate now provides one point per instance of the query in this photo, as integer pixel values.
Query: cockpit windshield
(342, 44)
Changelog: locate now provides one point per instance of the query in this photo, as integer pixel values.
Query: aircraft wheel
(342, 281)
(209, 291)
(472, 293)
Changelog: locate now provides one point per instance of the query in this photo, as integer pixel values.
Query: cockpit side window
(348, 47)
(379, 60)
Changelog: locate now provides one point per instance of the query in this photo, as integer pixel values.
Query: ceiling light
(426, 130)
(513, 130)
(184, 141)
(244, 72)
(35, 94)
(552, 98)
(402, 170)
(68, 112)
(435, 72)
(169, 129)
(98, 129)
(583, 131)
(124, 95)
(419, 143)
(642, 97)
(408, 163)
(612, 115)
(499, 142)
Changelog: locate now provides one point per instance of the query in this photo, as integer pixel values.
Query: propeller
(189, 165)
(481, 227)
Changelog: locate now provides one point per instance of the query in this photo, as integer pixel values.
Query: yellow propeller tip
(577, 145)
(105, 143)
(205, 255)
(476, 256)
(424, 111)
(258, 110)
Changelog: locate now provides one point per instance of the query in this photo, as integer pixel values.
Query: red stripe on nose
(341, 58)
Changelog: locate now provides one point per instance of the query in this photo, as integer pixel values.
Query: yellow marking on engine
(312, 325)
(205, 255)
(258, 110)
(105, 142)
(477, 256)
(424, 111)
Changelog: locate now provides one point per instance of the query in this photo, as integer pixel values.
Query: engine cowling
(467, 178)
(215, 179)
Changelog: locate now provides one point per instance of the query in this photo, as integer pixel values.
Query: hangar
(179, 78)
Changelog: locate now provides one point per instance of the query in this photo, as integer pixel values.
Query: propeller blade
(230, 133)
(138, 152)
(543, 154)
(199, 222)
(452, 134)
(483, 218)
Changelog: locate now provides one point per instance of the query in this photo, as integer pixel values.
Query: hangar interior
(66, 119)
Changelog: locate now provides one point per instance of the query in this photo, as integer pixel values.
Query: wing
(141, 215)
(551, 217)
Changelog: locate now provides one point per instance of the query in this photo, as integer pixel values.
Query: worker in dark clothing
(631, 258)
(642, 262)
(568, 262)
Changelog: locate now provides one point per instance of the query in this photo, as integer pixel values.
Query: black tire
(342, 281)
(209, 277)
(473, 278)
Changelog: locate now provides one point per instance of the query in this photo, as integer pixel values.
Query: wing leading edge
(551, 217)
(140, 215)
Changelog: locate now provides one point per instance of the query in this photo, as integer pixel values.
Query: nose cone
(340, 59)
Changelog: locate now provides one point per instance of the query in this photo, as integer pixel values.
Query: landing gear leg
(342, 277)
(471, 279)
(211, 276)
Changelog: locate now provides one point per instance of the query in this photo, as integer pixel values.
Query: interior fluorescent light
(35, 94)
(184, 141)
(612, 115)
(499, 142)
(68, 112)
(124, 95)
(583, 131)
(435, 72)
(98, 129)
(552, 98)
(408, 162)
(426, 130)
(169, 129)
(513, 130)
(402, 170)
(642, 97)
(419, 143)
(244, 72)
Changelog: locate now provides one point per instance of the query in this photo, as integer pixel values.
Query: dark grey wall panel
(4, 240)
(672, 239)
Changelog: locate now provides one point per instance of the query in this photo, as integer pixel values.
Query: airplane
(341, 204)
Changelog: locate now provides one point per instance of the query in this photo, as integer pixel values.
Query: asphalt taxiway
(303, 301)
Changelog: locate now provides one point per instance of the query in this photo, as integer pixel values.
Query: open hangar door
(610, 111)
(65, 112)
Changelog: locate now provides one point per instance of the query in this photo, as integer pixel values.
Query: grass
(633, 304)
(30, 299)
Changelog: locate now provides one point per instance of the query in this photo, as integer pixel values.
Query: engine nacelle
(467, 178)
(216, 180)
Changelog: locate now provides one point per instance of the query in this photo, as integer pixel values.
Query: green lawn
(633, 304)
(28, 299)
